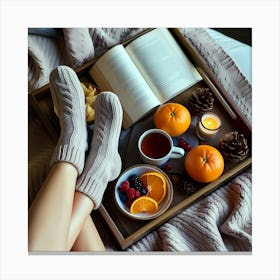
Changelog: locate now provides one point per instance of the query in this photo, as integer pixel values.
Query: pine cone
(184, 183)
(201, 101)
(234, 146)
(188, 187)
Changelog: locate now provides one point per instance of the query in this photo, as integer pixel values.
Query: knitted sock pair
(103, 163)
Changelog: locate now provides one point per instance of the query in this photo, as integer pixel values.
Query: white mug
(156, 147)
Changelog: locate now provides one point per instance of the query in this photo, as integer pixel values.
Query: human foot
(103, 163)
(69, 101)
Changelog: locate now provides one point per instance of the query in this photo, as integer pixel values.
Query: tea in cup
(156, 147)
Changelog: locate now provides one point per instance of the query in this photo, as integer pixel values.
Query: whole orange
(174, 118)
(204, 163)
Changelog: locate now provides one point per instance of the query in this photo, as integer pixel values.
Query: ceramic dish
(139, 170)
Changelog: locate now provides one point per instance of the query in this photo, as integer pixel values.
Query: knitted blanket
(220, 222)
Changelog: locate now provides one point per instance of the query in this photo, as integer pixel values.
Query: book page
(162, 63)
(121, 76)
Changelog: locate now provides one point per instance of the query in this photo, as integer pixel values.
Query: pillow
(240, 53)
(79, 46)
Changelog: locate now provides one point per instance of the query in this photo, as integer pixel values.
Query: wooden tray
(128, 231)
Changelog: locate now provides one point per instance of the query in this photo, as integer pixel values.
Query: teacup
(156, 147)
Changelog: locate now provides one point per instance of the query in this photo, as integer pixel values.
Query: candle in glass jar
(208, 126)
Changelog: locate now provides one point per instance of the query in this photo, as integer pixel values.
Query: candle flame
(210, 123)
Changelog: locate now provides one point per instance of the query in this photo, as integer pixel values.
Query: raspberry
(130, 193)
(125, 186)
(167, 167)
(137, 194)
(183, 144)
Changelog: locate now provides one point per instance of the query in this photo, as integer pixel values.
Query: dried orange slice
(144, 204)
(156, 184)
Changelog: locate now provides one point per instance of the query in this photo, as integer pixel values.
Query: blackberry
(132, 179)
(137, 185)
(135, 182)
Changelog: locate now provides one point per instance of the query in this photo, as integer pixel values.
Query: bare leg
(103, 163)
(57, 215)
(50, 213)
(82, 207)
(56, 223)
(88, 239)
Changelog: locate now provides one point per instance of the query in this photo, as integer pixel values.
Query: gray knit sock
(69, 101)
(103, 163)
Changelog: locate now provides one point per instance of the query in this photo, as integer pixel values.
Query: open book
(147, 72)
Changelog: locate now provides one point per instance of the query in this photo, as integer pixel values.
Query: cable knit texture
(103, 163)
(69, 101)
(223, 67)
(220, 222)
